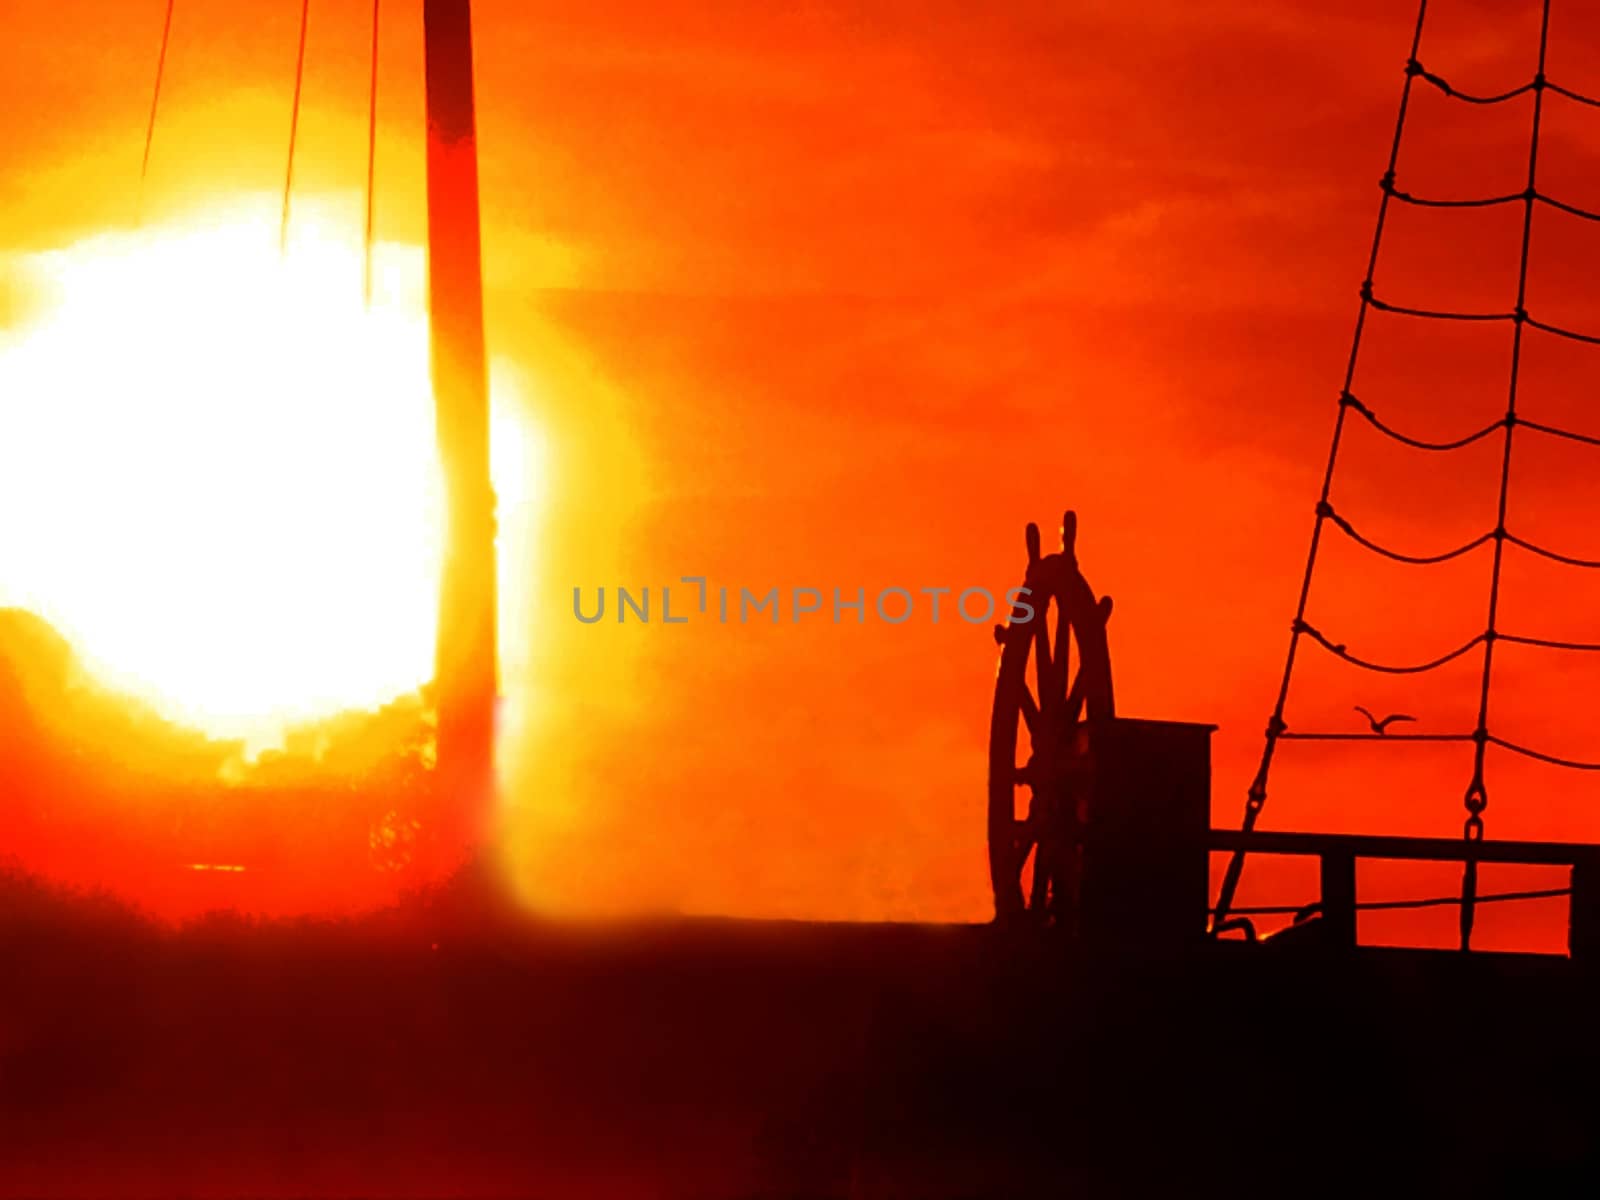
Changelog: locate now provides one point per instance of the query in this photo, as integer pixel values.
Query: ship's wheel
(1033, 858)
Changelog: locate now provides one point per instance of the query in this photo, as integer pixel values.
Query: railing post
(1339, 897)
(1583, 912)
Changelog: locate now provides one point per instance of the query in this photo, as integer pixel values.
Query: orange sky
(841, 295)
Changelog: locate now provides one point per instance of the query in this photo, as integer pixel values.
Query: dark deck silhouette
(436, 1051)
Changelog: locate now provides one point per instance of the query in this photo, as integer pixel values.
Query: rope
(1519, 317)
(1361, 539)
(1420, 560)
(1337, 649)
(1571, 435)
(1572, 764)
(1289, 736)
(1485, 201)
(1537, 84)
(1476, 798)
(1431, 202)
(1267, 910)
(294, 125)
(1436, 314)
(155, 103)
(1570, 561)
(1416, 69)
(1553, 431)
(1257, 795)
(1372, 419)
(1549, 644)
(1487, 898)
(1572, 95)
(1561, 331)
(372, 161)
(1586, 214)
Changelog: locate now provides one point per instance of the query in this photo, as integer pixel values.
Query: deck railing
(1337, 855)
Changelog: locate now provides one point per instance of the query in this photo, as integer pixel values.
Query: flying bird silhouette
(1381, 728)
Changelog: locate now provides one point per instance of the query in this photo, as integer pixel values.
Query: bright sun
(217, 468)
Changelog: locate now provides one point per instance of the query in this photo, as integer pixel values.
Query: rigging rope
(1257, 794)
(1550, 643)
(1534, 548)
(1571, 435)
(1484, 201)
(1588, 214)
(1355, 535)
(372, 160)
(1436, 314)
(1429, 560)
(294, 125)
(155, 103)
(1572, 95)
(1418, 443)
(1435, 202)
(1338, 650)
(1516, 748)
(1416, 70)
(1265, 910)
(1476, 797)
(1572, 764)
(1518, 316)
(1536, 84)
(1561, 331)
(1554, 431)
(1294, 736)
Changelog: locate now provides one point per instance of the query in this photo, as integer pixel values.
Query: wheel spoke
(1041, 659)
(1061, 664)
(1075, 697)
(1039, 892)
(1025, 847)
(1030, 713)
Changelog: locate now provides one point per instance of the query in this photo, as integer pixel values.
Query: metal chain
(1476, 799)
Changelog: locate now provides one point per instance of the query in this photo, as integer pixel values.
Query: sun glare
(218, 476)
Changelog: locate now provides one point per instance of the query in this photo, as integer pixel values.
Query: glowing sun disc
(218, 474)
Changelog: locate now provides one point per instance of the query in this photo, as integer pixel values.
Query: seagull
(1381, 728)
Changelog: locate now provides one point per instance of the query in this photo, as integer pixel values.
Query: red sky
(841, 295)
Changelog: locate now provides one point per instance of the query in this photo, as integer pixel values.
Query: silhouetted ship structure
(1115, 839)
(1112, 850)
(1113, 1033)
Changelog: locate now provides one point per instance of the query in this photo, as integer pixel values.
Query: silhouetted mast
(465, 662)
